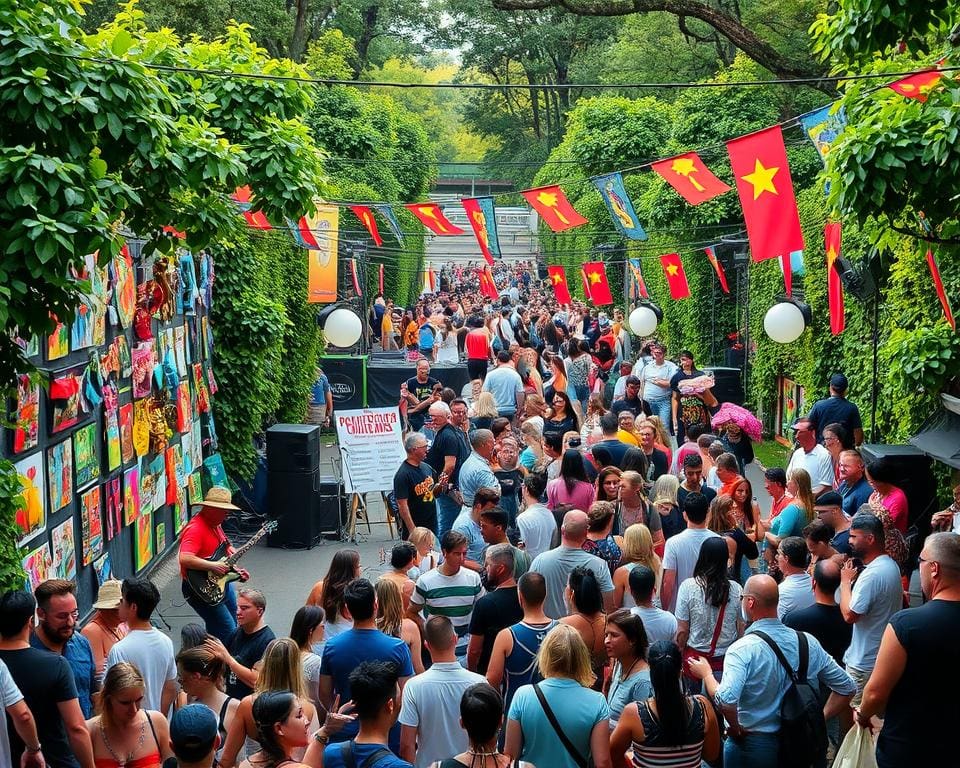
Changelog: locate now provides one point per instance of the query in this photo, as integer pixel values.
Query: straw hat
(109, 595)
(219, 497)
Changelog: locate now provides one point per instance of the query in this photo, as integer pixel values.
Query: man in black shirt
(616, 448)
(632, 401)
(823, 619)
(446, 454)
(420, 395)
(413, 487)
(509, 476)
(498, 609)
(828, 507)
(836, 409)
(46, 682)
(247, 644)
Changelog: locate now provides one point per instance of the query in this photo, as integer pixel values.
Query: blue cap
(193, 732)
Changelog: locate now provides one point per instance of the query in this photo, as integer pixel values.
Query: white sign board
(371, 448)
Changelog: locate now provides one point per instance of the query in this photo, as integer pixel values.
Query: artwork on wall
(126, 433)
(65, 396)
(195, 489)
(64, 550)
(37, 564)
(26, 415)
(111, 430)
(114, 492)
(180, 349)
(144, 361)
(184, 407)
(125, 288)
(144, 540)
(170, 463)
(30, 345)
(58, 342)
(32, 516)
(131, 495)
(141, 428)
(85, 456)
(161, 537)
(180, 511)
(91, 526)
(60, 474)
(103, 568)
(89, 325)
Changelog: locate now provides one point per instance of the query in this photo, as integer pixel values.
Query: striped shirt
(450, 596)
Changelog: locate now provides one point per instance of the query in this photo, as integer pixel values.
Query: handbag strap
(716, 630)
(572, 750)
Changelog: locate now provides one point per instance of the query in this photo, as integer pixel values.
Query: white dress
(447, 351)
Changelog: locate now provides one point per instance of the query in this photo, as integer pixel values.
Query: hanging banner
(690, 177)
(676, 277)
(243, 197)
(322, 270)
(433, 219)
(917, 86)
(488, 286)
(353, 275)
(598, 289)
(483, 221)
(365, 215)
(554, 208)
(387, 212)
(941, 292)
(380, 280)
(711, 252)
(302, 234)
(638, 280)
(759, 163)
(558, 279)
(369, 440)
(619, 205)
(822, 128)
(831, 236)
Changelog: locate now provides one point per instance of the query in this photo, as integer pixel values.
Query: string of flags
(762, 180)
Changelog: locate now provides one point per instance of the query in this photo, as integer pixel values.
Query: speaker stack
(305, 503)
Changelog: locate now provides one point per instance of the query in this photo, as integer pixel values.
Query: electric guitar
(210, 588)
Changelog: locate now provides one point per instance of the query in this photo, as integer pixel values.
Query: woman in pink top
(881, 474)
(571, 487)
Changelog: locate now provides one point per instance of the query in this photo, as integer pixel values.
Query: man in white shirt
(431, 701)
(682, 550)
(813, 457)
(147, 648)
(658, 623)
(655, 377)
(796, 589)
(536, 523)
(505, 384)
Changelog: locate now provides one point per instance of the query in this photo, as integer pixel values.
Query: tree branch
(925, 237)
(689, 33)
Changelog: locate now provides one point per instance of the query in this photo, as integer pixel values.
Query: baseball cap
(193, 732)
(829, 499)
(839, 382)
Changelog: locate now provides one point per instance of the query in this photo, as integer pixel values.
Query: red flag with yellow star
(243, 197)
(433, 219)
(488, 286)
(558, 279)
(941, 292)
(717, 267)
(759, 162)
(366, 218)
(598, 289)
(917, 86)
(554, 208)
(831, 237)
(676, 277)
(691, 178)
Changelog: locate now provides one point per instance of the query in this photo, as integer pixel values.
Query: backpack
(803, 731)
(426, 336)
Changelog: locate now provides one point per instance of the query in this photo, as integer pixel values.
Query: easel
(359, 508)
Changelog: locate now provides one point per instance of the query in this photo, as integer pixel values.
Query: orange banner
(322, 279)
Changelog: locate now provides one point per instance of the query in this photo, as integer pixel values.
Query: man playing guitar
(200, 539)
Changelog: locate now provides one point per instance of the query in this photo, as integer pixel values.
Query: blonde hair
(564, 654)
(485, 406)
(420, 535)
(282, 669)
(534, 404)
(389, 607)
(665, 489)
(636, 481)
(638, 548)
(720, 517)
(120, 677)
(804, 495)
(663, 437)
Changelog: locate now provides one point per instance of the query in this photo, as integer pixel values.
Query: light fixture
(342, 328)
(786, 320)
(645, 318)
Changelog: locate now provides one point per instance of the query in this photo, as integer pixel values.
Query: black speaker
(306, 505)
(914, 477)
(293, 448)
(729, 386)
(858, 281)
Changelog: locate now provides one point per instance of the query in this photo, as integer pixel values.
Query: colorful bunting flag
(676, 277)
(558, 280)
(302, 234)
(380, 280)
(175, 232)
(759, 162)
(387, 212)
(554, 208)
(353, 275)
(831, 237)
(691, 178)
(619, 205)
(917, 86)
(598, 289)
(638, 278)
(483, 220)
(822, 128)
(941, 292)
(433, 219)
(243, 197)
(711, 251)
(488, 287)
(365, 215)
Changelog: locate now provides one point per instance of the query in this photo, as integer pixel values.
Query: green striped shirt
(450, 596)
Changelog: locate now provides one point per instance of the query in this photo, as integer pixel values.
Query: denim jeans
(754, 750)
(447, 511)
(662, 409)
(220, 620)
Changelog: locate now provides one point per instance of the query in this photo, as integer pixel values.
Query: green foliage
(11, 498)
(331, 56)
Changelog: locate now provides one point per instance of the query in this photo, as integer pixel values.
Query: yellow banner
(322, 276)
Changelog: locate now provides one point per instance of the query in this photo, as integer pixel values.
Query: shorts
(477, 369)
(316, 414)
(860, 677)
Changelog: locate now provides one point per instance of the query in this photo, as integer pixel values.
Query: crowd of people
(585, 577)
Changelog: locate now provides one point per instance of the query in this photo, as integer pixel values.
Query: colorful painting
(64, 548)
(58, 342)
(144, 360)
(111, 430)
(180, 511)
(161, 537)
(32, 517)
(186, 457)
(126, 360)
(141, 428)
(216, 473)
(30, 345)
(180, 475)
(85, 456)
(196, 443)
(90, 322)
(158, 471)
(195, 489)
(65, 397)
(103, 568)
(126, 433)
(184, 407)
(144, 541)
(60, 475)
(131, 495)
(37, 564)
(200, 388)
(180, 349)
(114, 492)
(170, 463)
(26, 416)
(91, 525)
(124, 287)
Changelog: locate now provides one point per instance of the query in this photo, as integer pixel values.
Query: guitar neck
(232, 559)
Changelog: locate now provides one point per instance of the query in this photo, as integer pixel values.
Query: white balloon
(784, 322)
(643, 321)
(342, 328)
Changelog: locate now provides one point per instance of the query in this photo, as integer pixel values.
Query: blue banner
(822, 128)
(618, 204)
(387, 212)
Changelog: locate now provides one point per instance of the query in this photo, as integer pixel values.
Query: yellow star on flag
(557, 278)
(684, 166)
(428, 211)
(673, 270)
(761, 179)
(594, 277)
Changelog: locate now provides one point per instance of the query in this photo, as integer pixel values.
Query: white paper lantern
(784, 322)
(643, 321)
(342, 328)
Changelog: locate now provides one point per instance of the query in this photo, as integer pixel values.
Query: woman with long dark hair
(202, 676)
(708, 607)
(585, 602)
(626, 642)
(328, 592)
(634, 460)
(608, 484)
(558, 379)
(577, 366)
(670, 728)
(720, 520)
(572, 487)
(307, 632)
(282, 727)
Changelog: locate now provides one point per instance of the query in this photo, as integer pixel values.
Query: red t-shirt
(200, 539)
(477, 345)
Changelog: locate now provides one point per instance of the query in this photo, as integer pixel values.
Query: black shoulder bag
(579, 759)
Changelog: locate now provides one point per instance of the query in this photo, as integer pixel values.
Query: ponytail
(666, 664)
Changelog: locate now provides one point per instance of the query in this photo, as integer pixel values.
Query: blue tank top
(520, 666)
